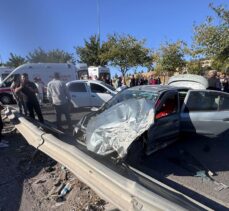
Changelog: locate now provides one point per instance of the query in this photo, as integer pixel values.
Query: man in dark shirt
(213, 81)
(132, 81)
(29, 89)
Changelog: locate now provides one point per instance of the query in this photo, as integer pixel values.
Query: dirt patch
(30, 180)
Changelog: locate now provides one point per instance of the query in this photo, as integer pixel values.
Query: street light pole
(98, 20)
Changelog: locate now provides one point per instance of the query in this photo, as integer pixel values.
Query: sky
(64, 24)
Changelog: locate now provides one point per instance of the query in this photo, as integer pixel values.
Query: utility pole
(1, 64)
(98, 20)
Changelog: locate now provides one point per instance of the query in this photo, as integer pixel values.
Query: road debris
(38, 182)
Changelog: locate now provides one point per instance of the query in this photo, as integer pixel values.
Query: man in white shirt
(58, 94)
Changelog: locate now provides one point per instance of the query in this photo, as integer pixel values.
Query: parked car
(147, 118)
(89, 93)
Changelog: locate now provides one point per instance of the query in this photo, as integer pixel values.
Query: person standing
(213, 81)
(145, 82)
(152, 80)
(141, 80)
(40, 87)
(132, 81)
(119, 82)
(19, 96)
(60, 98)
(224, 82)
(29, 89)
(158, 80)
(108, 80)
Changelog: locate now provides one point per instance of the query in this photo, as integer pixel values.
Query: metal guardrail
(122, 192)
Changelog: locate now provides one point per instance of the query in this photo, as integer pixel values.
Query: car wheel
(6, 99)
(135, 152)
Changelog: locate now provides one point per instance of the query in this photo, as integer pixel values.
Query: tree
(211, 38)
(195, 67)
(125, 52)
(15, 61)
(91, 52)
(53, 56)
(172, 56)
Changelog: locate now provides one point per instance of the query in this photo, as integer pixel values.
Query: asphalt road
(196, 167)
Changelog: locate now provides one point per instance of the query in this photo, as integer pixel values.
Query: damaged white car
(147, 118)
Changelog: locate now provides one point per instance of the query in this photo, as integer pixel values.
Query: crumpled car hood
(117, 127)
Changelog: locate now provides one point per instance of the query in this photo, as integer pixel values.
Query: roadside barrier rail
(122, 192)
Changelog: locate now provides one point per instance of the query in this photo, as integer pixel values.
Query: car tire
(135, 152)
(6, 99)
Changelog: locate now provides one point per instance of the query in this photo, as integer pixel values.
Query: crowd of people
(218, 81)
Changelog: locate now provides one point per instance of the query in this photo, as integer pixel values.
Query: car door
(206, 113)
(99, 94)
(166, 127)
(79, 94)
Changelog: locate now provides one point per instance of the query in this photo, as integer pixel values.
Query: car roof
(157, 88)
(85, 81)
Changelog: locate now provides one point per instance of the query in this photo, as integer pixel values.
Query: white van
(44, 71)
(82, 71)
(4, 72)
(98, 72)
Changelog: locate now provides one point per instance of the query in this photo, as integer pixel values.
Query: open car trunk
(189, 80)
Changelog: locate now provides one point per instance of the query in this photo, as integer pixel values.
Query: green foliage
(15, 61)
(221, 66)
(195, 67)
(212, 37)
(91, 52)
(53, 56)
(172, 56)
(126, 52)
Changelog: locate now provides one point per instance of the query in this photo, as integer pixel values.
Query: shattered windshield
(127, 94)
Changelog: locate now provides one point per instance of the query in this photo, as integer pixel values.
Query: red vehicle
(6, 96)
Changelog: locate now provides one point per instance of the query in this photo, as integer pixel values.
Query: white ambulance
(98, 72)
(44, 71)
